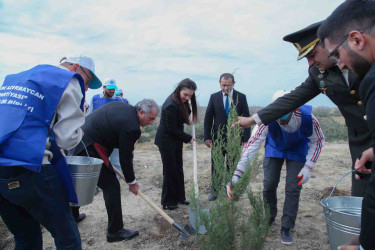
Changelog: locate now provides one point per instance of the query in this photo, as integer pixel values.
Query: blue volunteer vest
(28, 101)
(98, 101)
(292, 146)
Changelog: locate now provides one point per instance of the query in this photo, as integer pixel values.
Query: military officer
(341, 86)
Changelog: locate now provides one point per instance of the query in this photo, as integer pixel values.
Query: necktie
(227, 108)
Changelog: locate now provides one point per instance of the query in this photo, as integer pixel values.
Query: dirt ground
(155, 233)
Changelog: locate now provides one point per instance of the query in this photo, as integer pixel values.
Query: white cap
(110, 83)
(86, 62)
(279, 93)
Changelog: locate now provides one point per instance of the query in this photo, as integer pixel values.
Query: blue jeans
(33, 199)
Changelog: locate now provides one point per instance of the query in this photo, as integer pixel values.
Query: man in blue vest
(109, 89)
(295, 138)
(42, 108)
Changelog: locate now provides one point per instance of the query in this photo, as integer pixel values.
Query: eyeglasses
(334, 55)
(89, 78)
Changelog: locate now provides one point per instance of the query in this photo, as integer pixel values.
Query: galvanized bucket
(85, 174)
(343, 218)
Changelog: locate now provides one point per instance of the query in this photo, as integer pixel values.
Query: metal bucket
(343, 218)
(85, 174)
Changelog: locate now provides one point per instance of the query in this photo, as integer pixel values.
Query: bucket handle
(334, 187)
(87, 152)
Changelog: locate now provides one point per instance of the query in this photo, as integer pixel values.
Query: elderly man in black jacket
(341, 86)
(217, 113)
(116, 125)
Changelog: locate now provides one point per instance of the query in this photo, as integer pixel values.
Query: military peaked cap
(305, 39)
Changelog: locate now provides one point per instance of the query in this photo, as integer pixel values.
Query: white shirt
(230, 96)
(345, 73)
(316, 142)
(70, 119)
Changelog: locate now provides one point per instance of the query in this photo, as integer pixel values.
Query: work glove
(229, 191)
(304, 175)
(235, 179)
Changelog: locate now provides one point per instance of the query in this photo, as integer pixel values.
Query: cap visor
(304, 53)
(109, 86)
(95, 83)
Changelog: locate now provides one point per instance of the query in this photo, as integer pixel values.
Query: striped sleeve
(251, 148)
(316, 143)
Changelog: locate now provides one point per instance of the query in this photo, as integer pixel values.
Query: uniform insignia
(298, 46)
(322, 87)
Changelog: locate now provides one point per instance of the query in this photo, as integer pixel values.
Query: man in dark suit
(116, 125)
(341, 86)
(349, 36)
(217, 113)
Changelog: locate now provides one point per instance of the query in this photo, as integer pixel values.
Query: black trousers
(111, 194)
(272, 168)
(173, 177)
(358, 142)
(367, 236)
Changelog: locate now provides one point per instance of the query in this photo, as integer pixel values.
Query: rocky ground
(155, 233)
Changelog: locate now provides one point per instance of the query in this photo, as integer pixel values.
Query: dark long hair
(184, 107)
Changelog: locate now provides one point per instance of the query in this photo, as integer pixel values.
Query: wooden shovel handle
(153, 205)
(150, 202)
(195, 162)
(195, 171)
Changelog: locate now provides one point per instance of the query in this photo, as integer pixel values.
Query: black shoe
(80, 218)
(286, 238)
(185, 202)
(123, 234)
(212, 197)
(170, 207)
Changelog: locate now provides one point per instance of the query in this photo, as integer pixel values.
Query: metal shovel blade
(183, 235)
(192, 219)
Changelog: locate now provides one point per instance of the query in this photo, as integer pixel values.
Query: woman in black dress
(170, 137)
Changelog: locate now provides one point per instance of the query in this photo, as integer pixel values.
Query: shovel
(183, 235)
(193, 219)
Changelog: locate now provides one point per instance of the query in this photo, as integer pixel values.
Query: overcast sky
(148, 46)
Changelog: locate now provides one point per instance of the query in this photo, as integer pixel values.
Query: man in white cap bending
(109, 89)
(42, 108)
(295, 138)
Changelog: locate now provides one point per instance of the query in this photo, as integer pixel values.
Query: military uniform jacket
(333, 84)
